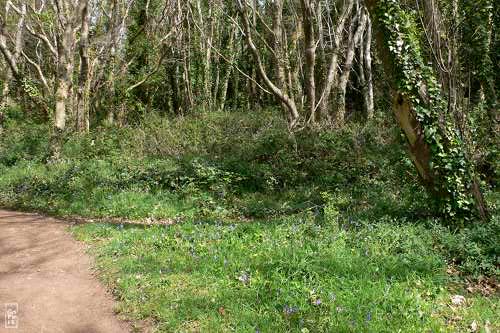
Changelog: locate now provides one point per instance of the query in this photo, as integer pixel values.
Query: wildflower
(244, 277)
(317, 302)
(289, 310)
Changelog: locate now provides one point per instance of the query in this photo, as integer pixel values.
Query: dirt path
(46, 272)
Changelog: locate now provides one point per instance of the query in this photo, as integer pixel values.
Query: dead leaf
(473, 326)
(222, 311)
(487, 328)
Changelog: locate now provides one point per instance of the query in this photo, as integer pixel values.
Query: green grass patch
(289, 275)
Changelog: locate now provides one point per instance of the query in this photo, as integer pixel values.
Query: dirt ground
(48, 276)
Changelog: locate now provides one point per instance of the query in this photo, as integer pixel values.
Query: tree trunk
(366, 56)
(289, 104)
(229, 69)
(334, 58)
(353, 41)
(310, 59)
(11, 58)
(82, 105)
(436, 150)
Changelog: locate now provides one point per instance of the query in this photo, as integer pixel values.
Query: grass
(323, 231)
(290, 275)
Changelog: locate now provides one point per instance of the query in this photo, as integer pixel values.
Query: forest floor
(47, 274)
(223, 222)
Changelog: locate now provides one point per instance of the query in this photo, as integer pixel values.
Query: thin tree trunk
(280, 94)
(18, 47)
(331, 79)
(352, 44)
(207, 74)
(225, 81)
(82, 108)
(113, 41)
(310, 59)
(64, 74)
(367, 66)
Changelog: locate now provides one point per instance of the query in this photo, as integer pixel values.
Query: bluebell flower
(289, 310)
(244, 277)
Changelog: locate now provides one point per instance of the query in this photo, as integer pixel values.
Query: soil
(48, 275)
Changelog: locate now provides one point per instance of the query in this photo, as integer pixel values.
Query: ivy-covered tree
(420, 108)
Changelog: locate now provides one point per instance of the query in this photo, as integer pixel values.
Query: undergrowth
(312, 232)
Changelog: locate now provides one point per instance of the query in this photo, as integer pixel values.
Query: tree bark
(280, 94)
(82, 107)
(437, 153)
(366, 61)
(11, 58)
(229, 69)
(308, 14)
(353, 41)
(332, 73)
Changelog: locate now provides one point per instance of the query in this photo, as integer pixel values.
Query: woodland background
(323, 136)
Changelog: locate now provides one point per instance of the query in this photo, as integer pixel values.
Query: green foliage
(453, 171)
(30, 88)
(241, 164)
(22, 140)
(474, 250)
(478, 52)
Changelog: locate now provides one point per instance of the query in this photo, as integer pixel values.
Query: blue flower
(289, 310)
(244, 277)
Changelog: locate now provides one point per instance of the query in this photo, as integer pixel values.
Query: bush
(23, 141)
(474, 250)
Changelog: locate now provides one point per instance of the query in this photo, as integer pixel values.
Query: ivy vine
(452, 170)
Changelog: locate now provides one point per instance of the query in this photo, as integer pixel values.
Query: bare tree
(12, 57)
(278, 91)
